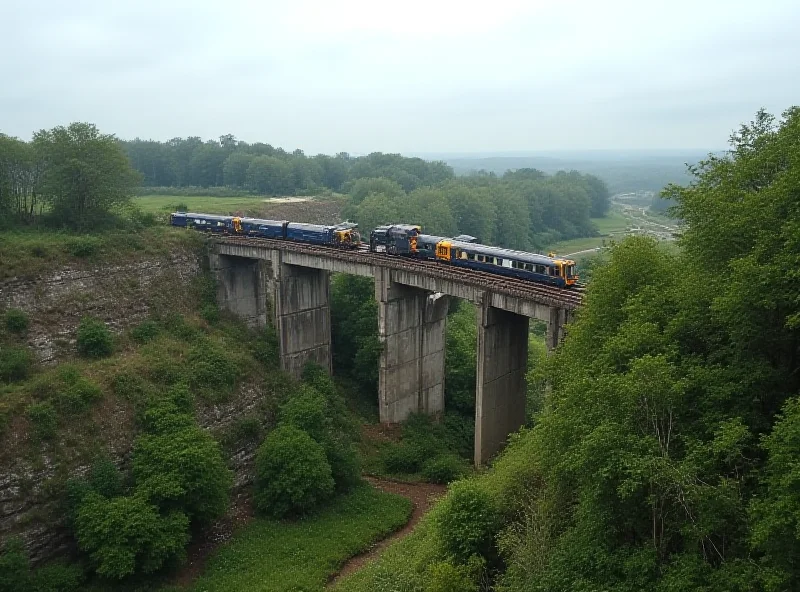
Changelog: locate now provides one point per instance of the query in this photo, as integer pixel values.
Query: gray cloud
(420, 76)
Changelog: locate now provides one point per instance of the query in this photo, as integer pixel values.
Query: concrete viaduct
(288, 284)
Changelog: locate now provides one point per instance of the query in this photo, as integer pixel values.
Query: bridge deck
(566, 298)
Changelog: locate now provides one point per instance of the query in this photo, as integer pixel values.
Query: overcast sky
(407, 76)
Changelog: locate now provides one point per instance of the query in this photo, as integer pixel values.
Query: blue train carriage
(260, 227)
(204, 222)
(528, 266)
(395, 239)
(343, 235)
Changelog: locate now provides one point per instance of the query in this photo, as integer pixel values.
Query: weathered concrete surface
(241, 287)
(303, 317)
(411, 329)
(555, 327)
(500, 386)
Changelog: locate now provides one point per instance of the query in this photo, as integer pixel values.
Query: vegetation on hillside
(661, 458)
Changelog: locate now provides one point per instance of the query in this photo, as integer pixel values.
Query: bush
(292, 473)
(181, 207)
(78, 394)
(15, 363)
(265, 348)
(44, 419)
(211, 371)
(145, 331)
(181, 466)
(405, 457)
(84, 246)
(14, 568)
(57, 577)
(246, 429)
(210, 313)
(311, 412)
(127, 535)
(446, 577)
(16, 321)
(467, 521)
(94, 338)
(443, 469)
(105, 478)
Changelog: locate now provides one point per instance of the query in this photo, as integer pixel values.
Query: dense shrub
(404, 457)
(467, 521)
(446, 577)
(16, 575)
(210, 313)
(292, 473)
(182, 468)
(265, 348)
(127, 535)
(77, 394)
(15, 363)
(212, 372)
(312, 412)
(16, 320)
(94, 339)
(44, 419)
(443, 468)
(105, 478)
(14, 567)
(145, 331)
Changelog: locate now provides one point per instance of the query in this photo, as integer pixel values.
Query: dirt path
(422, 495)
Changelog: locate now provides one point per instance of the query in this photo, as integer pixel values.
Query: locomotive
(405, 240)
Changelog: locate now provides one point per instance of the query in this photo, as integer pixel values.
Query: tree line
(524, 209)
(265, 169)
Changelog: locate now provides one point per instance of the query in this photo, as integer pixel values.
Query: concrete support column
(555, 328)
(241, 287)
(411, 328)
(501, 388)
(302, 316)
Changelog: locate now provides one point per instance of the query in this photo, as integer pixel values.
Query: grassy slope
(28, 252)
(273, 556)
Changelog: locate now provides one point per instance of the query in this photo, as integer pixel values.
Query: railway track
(569, 298)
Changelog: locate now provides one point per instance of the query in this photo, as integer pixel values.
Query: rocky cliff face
(120, 295)
(33, 475)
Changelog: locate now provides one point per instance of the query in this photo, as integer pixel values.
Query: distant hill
(621, 170)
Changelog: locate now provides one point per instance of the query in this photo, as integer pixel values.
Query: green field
(278, 556)
(159, 204)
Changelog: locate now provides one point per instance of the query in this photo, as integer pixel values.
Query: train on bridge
(405, 240)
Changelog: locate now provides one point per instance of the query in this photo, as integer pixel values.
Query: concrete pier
(241, 287)
(500, 392)
(302, 317)
(411, 329)
(555, 327)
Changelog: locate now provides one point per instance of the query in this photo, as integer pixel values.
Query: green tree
(269, 175)
(234, 169)
(182, 468)
(362, 188)
(86, 173)
(127, 535)
(292, 473)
